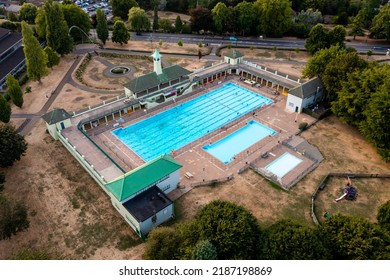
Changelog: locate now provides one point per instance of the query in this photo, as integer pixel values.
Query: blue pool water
(181, 125)
(229, 146)
(283, 164)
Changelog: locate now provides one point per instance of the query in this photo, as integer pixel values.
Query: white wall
(161, 217)
(307, 101)
(293, 102)
(170, 183)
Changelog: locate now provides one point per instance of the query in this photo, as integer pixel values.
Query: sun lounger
(188, 175)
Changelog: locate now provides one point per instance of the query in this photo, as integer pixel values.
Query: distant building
(11, 54)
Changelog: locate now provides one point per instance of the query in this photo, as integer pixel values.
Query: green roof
(307, 89)
(151, 80)
(234, 54)
(146, 175)
(55, 116)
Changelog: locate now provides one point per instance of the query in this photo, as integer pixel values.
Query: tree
(337, 36)
(101, 27)
(166, 25)
(230, 228)
(338, 70)
(13, 217)
(28, 12)
(120, 34)
(40, 23)
(318, 39)
(5, 110)
(317, 64)
(53, 57)
(309, 17)
(57, 30)
(14, 91)
(178, 24)
(380, 28)
(201, 19)
(120, 8)
(354, 238)
(138, 19)
(220, 17)
(204, 250)
(180, 42)
(162, 244)
(12, 145)
(288, 240)
(36, 59)
(75, 16)
(357, 26)
(12, 16)
(383, 216)
(155, 19)
(245, 16)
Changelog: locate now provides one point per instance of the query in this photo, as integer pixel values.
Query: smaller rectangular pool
(233, 144)
(283, 164)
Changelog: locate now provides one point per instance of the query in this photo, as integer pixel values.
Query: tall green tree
(13, 217)
(201, 19)
(57, 30)
(380, 28)
(5, 110)
(178, 24)
(357, 26)
(245, 17)
(40, 23)
(12, 145)
(36, 59)
(14, 90)
(309, 17)
(120, 8)
(120, 34)
(138, 19)
(220, 17)
(204, 250)
(162, 244)
(233, 231)
(155, 19)
(383, 216)
(317, 64)
(166, 25)
(338, 70)
(354, 238)
(337, 36)
(28, 12)
(288, 240)
(75, 16)
(101, 27)
(53, 57)
(318, 39)
(275, 17)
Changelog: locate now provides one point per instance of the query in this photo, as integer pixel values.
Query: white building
(304, 95)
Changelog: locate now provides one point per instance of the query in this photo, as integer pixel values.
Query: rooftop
(56, 116)
(8, 39)
(147, 204)
(143, 176)
(234, 54)
(307, 89)
(151, 80)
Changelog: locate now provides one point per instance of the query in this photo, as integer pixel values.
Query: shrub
(200, 44)
(180, 43)
(160, 42)
(302, 126)
(28, 89)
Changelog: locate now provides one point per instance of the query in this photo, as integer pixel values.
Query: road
(288, 43)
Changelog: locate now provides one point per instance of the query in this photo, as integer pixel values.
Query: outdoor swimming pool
(283, 164)
(181, 125)
(233, 144)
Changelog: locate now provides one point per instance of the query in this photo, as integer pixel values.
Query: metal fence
(212, 182)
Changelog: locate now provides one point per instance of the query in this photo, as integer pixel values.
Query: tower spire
(157, 62)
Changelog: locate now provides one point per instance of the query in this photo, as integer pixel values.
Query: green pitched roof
(56, 116)
(234, 54)
(136, 180)
(307, 89)
(151, 80)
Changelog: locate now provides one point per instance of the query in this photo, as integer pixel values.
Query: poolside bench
(188, 175)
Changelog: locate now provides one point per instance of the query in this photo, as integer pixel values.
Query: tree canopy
(320, 38)
(5, 110)
(40, 23)
(380, 28)
(201, 19)
(138, 19)
(120, 8)
(120, 34)
(288, 240)
(101, 27)
(75, 16)
(28, 12)
(14, 90)
(36, 59)
(383, 216)
(162, 244)
(52, 57)
(220, 17)
(246, 17)
(13, 217)
(12, 145)
(275, 17)
(204, 250)
(57, 30)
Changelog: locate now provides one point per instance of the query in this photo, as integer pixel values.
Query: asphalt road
(288, 43)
